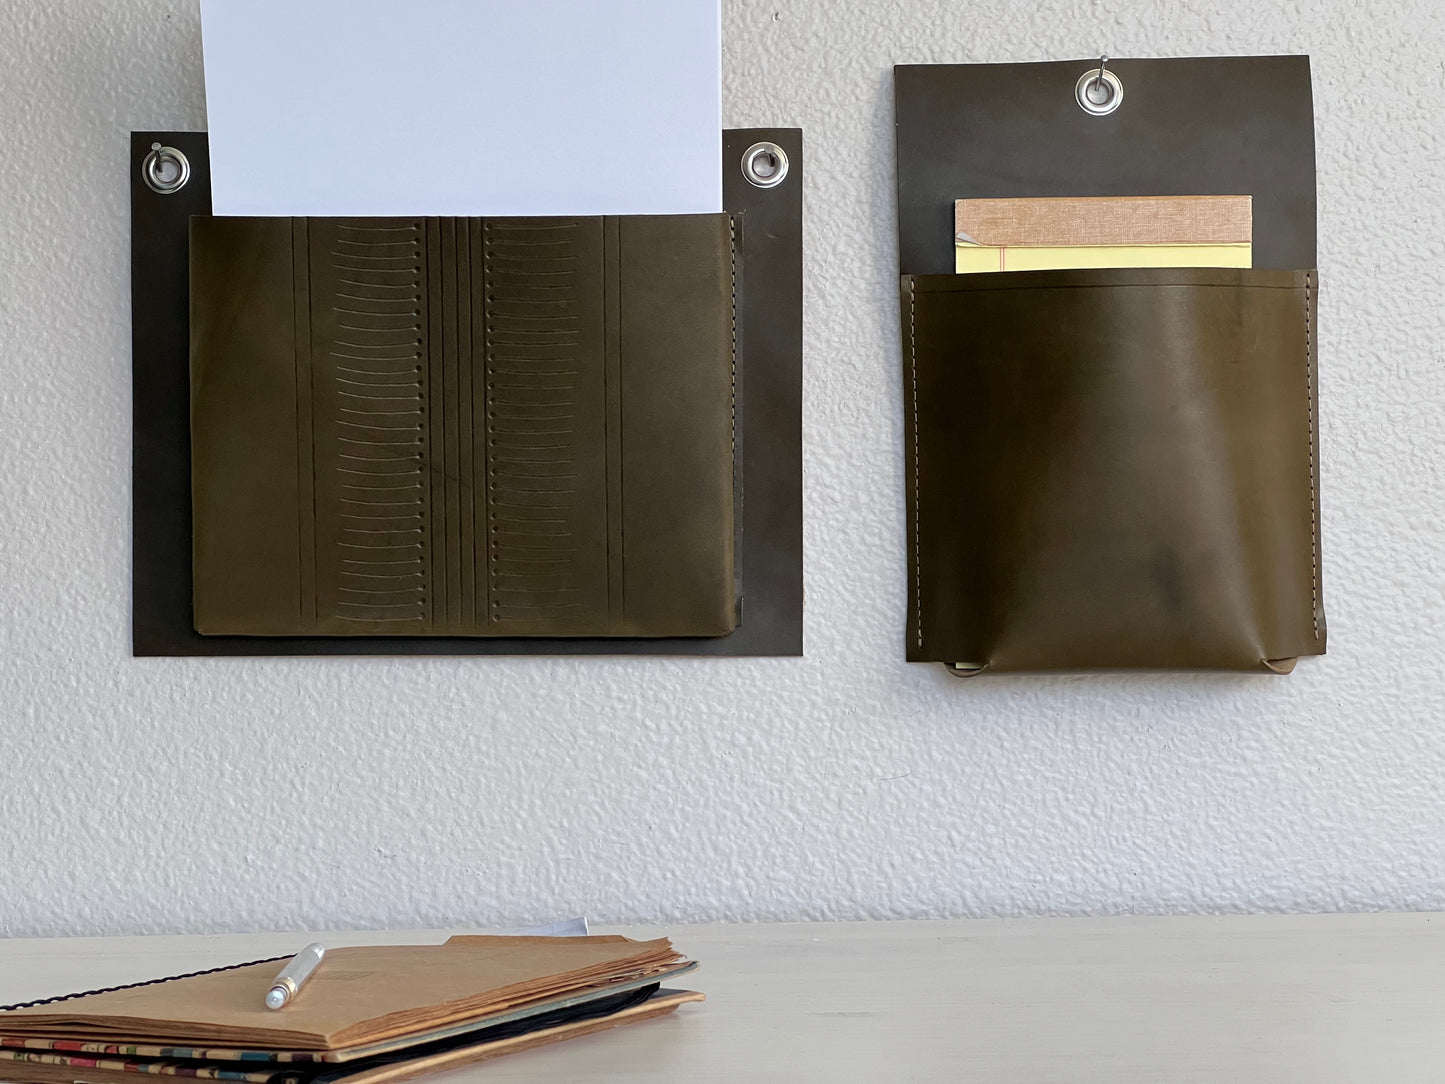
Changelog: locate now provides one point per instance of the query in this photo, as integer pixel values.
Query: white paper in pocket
(463, 107)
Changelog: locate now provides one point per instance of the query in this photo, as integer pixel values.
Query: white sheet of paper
(463, 107)
(564, 927)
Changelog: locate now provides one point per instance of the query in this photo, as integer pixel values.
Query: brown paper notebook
(1037, 234)
(358, 997)
(463, 427)
(30, 1067)
(1107, 220)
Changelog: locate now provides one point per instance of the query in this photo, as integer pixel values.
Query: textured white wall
(229, 794)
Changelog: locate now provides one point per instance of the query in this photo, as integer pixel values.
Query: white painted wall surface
(168, 795)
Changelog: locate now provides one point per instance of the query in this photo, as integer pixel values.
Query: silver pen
(293, 975)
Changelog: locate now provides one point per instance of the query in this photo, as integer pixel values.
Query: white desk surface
(1311, 998)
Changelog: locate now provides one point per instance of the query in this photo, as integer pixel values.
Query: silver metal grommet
(165, 170)
(765, 165)
(1099, 91)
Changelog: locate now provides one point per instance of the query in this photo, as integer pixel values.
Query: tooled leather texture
(463, 427)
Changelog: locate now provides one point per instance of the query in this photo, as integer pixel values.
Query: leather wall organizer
(469, 435)
(1111, 467)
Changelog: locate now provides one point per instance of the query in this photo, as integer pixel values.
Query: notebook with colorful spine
(362, 1002)
(538, 1029)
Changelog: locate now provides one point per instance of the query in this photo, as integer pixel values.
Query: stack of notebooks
(367, 1015)
(1062, 233)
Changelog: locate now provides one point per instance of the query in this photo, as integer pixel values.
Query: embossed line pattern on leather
(458, 425)
(369, 426)
(546, 409)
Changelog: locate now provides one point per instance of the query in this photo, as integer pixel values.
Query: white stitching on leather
(917, 504)
(733, 368)
(1314, 503)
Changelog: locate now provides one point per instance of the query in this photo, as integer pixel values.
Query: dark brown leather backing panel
(1195, 126)
(458, 444)
(1112, 468)
(768, 526)
(161, 579)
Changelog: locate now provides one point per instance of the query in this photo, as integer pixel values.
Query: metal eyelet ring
(1099, 92)
(765, 165)
(165, 170)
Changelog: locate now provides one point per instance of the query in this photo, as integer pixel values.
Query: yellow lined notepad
(1102, 231)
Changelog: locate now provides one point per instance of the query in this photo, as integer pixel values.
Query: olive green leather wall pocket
(463, 427)
(1111, 468)
(696, 325)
